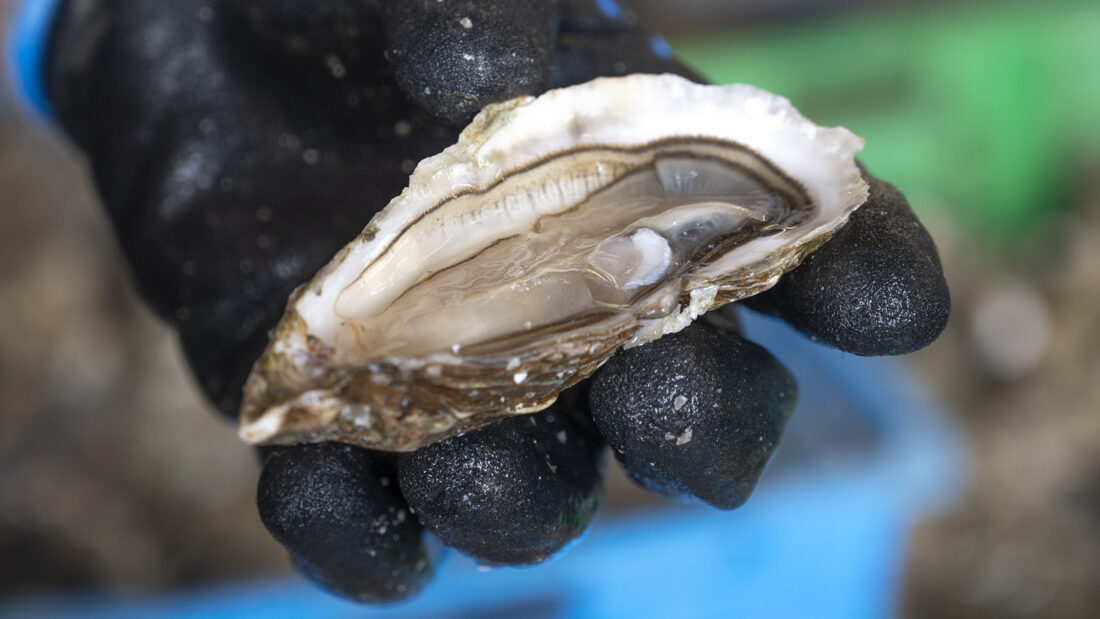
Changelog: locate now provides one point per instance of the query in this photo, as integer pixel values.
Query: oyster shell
(556, 230)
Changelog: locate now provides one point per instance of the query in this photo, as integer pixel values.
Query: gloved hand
(238, 145)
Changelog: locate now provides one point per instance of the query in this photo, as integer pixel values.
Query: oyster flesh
(557, 230)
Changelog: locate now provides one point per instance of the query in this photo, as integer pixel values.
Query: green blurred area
(981, 112)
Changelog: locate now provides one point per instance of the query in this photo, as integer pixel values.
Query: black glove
(238, 145)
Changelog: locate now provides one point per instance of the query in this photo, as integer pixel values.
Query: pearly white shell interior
(522, 163)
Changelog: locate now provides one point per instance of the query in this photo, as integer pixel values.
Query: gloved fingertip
(338, 511)
(875, 288)
(695, 414)
(454, 58)
(511, 493)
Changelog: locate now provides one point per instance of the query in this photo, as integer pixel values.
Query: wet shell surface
(557, 230)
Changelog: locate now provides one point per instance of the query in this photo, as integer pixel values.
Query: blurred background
(117, 478)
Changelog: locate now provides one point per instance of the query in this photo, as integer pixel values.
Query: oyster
(557, 229)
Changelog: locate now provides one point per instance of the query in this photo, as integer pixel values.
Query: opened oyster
(555, 231)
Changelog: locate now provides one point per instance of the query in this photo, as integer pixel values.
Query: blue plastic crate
(867, 455)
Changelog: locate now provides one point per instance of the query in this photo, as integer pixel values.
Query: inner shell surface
(565, 241)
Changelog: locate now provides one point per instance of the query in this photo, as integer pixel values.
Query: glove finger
(875, 288)
(695, 414)
(338, 511)
(596, 38)
(453, 58)
(513, 492)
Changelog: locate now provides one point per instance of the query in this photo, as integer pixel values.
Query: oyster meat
(557, 230)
